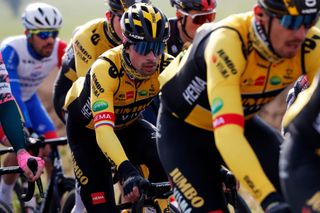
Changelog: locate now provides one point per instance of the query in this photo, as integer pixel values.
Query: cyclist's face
(43, 47)
(284, 41)
(117, 27)
(192, 23)
(145, 64)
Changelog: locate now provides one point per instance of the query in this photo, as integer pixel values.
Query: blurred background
(76, 12)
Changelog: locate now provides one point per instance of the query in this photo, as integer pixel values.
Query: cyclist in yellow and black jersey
(231, 70)
(88, 42)
(104, 124)
(190, 15)
(300, 153)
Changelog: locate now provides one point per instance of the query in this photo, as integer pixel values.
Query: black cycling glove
(129, 177)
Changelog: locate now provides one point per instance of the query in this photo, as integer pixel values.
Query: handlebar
(148, 193)
(33, 144)
(33, 165)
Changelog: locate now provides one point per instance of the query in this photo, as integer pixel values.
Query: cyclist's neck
(261, 42)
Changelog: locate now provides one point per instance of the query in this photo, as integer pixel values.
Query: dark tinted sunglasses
(45, 34)
(200, 18)
(144, 47)
(295, 22)
(116, 14)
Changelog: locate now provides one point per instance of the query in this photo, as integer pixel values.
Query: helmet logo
(311, 3)
(292, 9)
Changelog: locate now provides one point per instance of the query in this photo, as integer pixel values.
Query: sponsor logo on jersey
(186, 193)
(217, 105)
(254, 82)
(82, 179)
(86, 109)
(82, 52)
(96, 86)
(131, 109)
(120, 97)
(98, 198)
(226, 119)
(194, 90)
(143, 93)
(289, 74)
(260, 81)
(104, 118)
(314, 202)
(226, 67)
(129, 94)
(275, 80)
(99, 105)
(95, 38)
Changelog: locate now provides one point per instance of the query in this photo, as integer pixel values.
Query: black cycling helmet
(144, 22)
(292, 7)
(115, 5)
(119, 6)
(199, 5)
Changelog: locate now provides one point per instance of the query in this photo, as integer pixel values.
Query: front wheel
(4, 208)
(65, 187)
(68, 202)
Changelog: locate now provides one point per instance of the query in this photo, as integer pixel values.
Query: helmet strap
(110, 29)
(183, 22)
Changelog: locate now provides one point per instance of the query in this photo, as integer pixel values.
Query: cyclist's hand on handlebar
(131, 188)
(22, 157)
(131, 180)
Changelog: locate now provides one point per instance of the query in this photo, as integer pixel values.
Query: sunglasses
(115, 13)
(295, 22)
(45, 34)
(144, 47)
(200, 18)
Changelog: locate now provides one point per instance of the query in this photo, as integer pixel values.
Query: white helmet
(41, 16)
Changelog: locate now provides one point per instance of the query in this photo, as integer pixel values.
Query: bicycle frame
(52, 193)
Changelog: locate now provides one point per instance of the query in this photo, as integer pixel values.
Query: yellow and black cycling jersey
(107, 98)
(224, 78)
(237, 72)
(87, 43)
(91, 40)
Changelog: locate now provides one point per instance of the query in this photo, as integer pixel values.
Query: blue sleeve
(11, 61)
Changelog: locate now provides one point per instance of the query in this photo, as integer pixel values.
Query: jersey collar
(262, 44)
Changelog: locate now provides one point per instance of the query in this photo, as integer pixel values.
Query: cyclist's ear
(260, 15)
(108, 16)
(258, 11)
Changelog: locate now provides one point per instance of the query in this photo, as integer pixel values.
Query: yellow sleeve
(102, 90)
(311, 52)
(225, 63)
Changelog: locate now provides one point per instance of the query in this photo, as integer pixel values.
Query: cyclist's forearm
(12, 124)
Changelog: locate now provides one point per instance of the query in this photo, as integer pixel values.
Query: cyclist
(104, 126)
(29, 59)
(190, 14)
(230, 71)
(12, 125)
(299, 156)
(87, 44)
